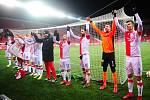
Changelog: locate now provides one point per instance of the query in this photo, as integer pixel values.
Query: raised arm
(113, 27)
(37, 39)
(139, 22)
(120, 27)
(73, 35)
(96, 28)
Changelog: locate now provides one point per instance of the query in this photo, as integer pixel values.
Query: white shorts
(7, 54)
(65, 64)
(85, 62)
(38, 60)
(26, 55)
(134, 65)
(32, 58)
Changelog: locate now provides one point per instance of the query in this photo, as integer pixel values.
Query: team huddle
(37, 49)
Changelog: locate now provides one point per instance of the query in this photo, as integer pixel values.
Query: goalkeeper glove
(114, 12)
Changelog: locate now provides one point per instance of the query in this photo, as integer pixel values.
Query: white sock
(140, 87)
(88, 77)
(41, 71)
(33, 69)
(37, 70)
(130, 84)
(64, 75)
(69, 75)
(29, 68)
(24, 67)
(9, 62)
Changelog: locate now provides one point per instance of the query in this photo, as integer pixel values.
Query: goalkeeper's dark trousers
(108, 58)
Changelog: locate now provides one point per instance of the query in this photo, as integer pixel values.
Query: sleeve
(68, 34)
(88, 27)
(37, 39)
(120, 27)
(113, 27)
(96, 29)
(73, 35)
(139, 22)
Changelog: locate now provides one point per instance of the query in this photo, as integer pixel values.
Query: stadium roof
(19, 18)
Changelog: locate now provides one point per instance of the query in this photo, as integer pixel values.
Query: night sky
(77, 8)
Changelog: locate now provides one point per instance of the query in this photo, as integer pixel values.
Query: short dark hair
(130, 21)
(46, 32)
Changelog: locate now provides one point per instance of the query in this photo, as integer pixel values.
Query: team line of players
(133, 56)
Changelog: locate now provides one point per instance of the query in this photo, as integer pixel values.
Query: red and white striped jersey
(132, 41)
(84, 44)
(64, 49)
(38, 48)
(28, 44)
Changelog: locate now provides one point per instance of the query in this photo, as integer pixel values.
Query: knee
(113, 69)
(138, 78)
(102, 62)
(130, 76)
(104, 69)
(88, 72)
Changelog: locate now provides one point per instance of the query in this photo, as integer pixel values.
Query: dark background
(18, 18)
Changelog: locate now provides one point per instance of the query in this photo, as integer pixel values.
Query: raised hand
(114, 12)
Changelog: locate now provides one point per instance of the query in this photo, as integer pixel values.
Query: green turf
(95, 61)
(31, 89)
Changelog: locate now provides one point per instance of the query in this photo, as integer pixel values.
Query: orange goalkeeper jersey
(107, 38)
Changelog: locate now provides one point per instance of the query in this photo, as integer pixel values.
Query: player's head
(83, 31)
(64, 37)
(107, 28)
(39, 35)
(46, 34)
(28, 35)
(130, 25)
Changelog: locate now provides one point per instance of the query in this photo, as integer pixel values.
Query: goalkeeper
(108, 55)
